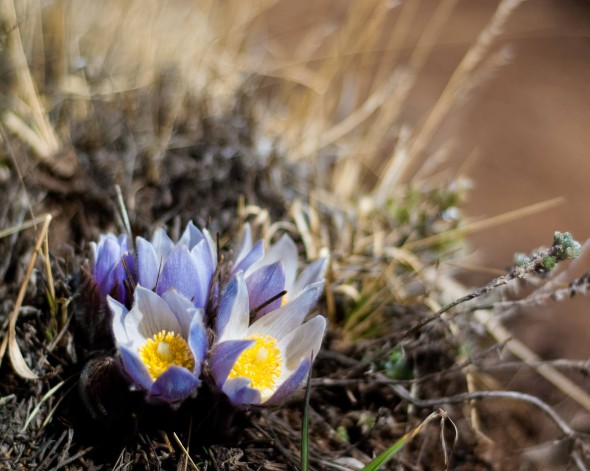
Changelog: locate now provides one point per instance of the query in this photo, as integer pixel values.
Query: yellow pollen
(163, 350)
(261, 363)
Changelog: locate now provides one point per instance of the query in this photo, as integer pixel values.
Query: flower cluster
(165, 298)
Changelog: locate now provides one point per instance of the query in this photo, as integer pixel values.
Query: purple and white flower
(109, 257)
(160, 265)
(162, 341)
(265, 362)
(187, 266)
(267, 274)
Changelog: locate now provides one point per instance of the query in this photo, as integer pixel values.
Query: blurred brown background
(522, 135)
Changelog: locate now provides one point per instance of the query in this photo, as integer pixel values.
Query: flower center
(261, 364)
(163, 350)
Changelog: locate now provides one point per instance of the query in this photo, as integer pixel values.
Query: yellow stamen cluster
(261, 363)
(163, 350)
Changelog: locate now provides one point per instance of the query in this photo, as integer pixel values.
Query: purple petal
(175, 384)
(245, 245)
(281, 322)
(285, 250)
(148, 265)
(135, 368)
(118, 276)
(179, 272)
(250, 258)
(223, 357)
(205, 268)
(191, 236)
(233, 316)
(197, 339)
(247, 254)
(291, 384)
(108, 254)
(265, 283)
(314, 272)
(239, 392)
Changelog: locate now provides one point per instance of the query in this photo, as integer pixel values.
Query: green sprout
(565, 246)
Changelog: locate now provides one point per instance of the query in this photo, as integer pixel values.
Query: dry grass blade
(21, 227)
(40, 135)
(460, 77)
(16, 356)
(37, 408)
(185, 451)
(477, 226)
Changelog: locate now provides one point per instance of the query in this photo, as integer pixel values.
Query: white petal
(182, 308)
(119, 312)
(162, 244)
(131, 323)
(238, 316)
(245, 245)
(284, 320)
(155, 313)
(191, 236)
(316, 271)
(303, 342)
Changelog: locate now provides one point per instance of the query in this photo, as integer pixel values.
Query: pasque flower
(263, 363)
(187, 266)
(267, 274)
(162, 341)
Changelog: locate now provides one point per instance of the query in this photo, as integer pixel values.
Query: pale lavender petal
(212, 248)
(233, 316)
(180, 273)
(248, 259)
(148, 264)
(151, 314)
(224, 356)
(93, 255)
(203, 275)
(197, 338)
(175, 384)
(239, 392)
(281, 322)
(265, 283)
(119, 312)
(182, 308)
(302, 341)
(135, 367)
(312, 273)
(191, 236)
(245, 245)
(291, 384)
(163, 245)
